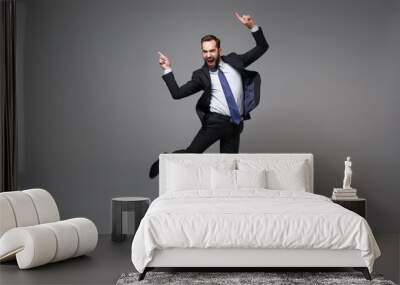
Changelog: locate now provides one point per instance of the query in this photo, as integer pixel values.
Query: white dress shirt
(218, 102)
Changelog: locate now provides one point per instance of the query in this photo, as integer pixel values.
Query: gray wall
(95, 113)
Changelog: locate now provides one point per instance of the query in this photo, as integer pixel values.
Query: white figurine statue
(347, 174)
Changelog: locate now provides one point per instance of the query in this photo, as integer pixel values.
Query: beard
(213, 64)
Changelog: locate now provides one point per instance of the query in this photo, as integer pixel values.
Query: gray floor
(103, 266)
(110, 260)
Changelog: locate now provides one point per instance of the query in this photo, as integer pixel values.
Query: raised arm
(261, 44)
(187, 89)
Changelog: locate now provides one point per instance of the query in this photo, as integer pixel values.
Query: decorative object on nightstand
(123, 207)
(345, 193)
(347, 196)
(347, 174)
(358, 205)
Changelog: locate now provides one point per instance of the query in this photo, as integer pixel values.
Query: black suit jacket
(201, 79)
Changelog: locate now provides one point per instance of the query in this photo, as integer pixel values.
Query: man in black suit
(230, 91)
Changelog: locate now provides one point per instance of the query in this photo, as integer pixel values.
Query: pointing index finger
(238, 16)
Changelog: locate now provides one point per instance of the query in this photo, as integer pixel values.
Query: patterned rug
(244, 278)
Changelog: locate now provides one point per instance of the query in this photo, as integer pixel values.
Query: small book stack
(344, 194)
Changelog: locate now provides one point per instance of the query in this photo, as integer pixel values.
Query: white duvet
(250, 218)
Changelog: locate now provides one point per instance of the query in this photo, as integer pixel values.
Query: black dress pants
(216, 127)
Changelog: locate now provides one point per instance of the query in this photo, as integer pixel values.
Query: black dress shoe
(154, 170)
(154, 167)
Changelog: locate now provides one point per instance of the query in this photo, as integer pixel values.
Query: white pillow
(288, 179)
(281, 174)
(223, 179)
(188, 174)
(251, 178)
(237, 179)
(188, 177)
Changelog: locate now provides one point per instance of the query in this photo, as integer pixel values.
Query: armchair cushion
(30, 230)
(40, 244)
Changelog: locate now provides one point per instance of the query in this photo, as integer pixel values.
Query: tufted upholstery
(31, 230)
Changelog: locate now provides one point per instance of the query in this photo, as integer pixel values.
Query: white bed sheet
(250, 218)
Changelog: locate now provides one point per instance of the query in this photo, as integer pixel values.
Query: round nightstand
(137, 205)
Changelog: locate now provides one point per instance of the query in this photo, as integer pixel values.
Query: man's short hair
(207, 38)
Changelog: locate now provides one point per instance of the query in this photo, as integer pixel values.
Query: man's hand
(164, 61)
(245, 20)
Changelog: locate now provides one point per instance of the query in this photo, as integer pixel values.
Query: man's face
(211, 53)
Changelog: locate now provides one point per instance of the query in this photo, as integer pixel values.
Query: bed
(246, 211)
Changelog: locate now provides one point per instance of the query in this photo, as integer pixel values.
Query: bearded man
(230, 92)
